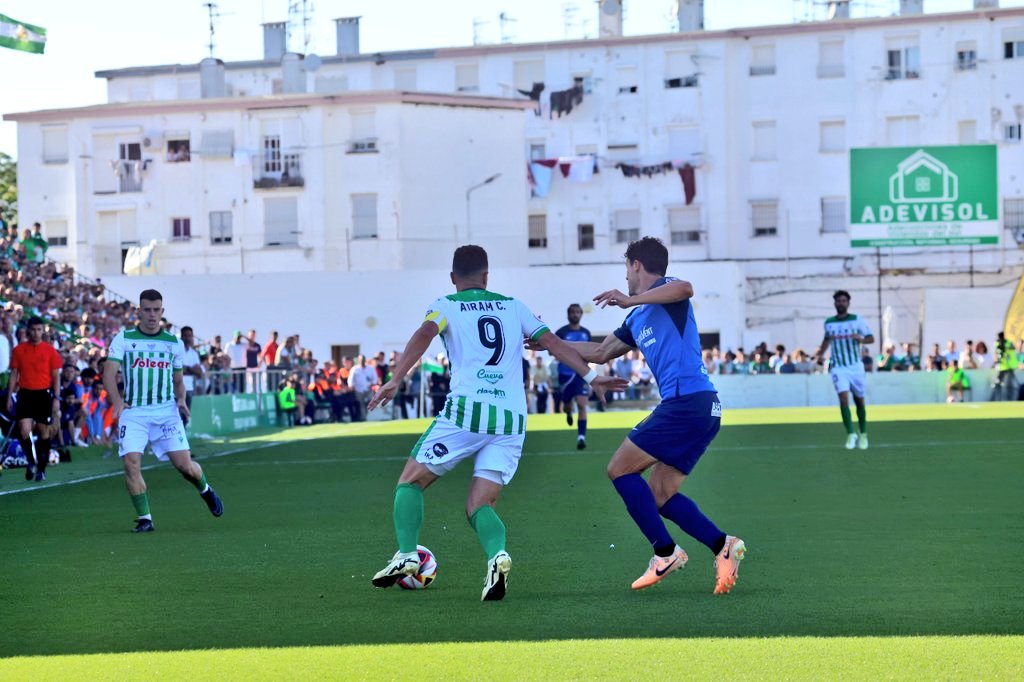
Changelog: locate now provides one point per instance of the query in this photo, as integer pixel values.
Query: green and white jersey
(483, 335)
(845, 351)
(148, 363)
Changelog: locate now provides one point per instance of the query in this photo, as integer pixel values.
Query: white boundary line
(112, 474)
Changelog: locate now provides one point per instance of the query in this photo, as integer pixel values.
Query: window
(55, 144)
(178, 151)
(684, 226)
(405, 79)
(830, 59)
(967, 132)
(903, 58)
(966, 56)
(281, 221)
(181, 229)
(762, 60)
(684, 144)
(526, 73)
(833, 136)
(364, 216)
(537, 151)
(627, 80)
(902, 131)
(585, 237)
(538, 231)
(218, 144)
(1013, 214)
(272, 154)
(467, 78)
(1011, 132)
(363, 132)
(220, 227)
(764, 141)
(680, 70)
(627, 226)
(56, 232)
(586, 150)
(833, 214)
(1013, 42)
(764, 216)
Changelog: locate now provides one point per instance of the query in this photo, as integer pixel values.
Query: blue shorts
(679, 430)
(574, 387)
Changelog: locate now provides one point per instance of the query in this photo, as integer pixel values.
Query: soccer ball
(54, 457)
(426, 574)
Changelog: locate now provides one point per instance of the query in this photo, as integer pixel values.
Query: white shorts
(160, 427)
(849, 379)
(443, 445)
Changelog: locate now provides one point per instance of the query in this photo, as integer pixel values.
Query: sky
(85, 37)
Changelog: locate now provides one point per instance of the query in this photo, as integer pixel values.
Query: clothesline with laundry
(581, 168)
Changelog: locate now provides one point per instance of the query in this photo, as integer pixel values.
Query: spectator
(760, 364)
(968, 357)
(364, 377)
(910, 360)
(71, 393)
(624, 368)
(253, 361)
(236, 352)
(286, 401)
(740, 365)
(269, 359)
(95, 406)
(1006, 384)
(345, 395)
(951, 353)
(802, 363)
(887, 361)
(728, 364)
(286, 354)
(644, 379)
(936, 361)
(957, 381)
(981, 352)
(440, 384)
(776, 359)
(540, 379)
(786, 366)
(192, 367)
(709, 362)
(556, 387)
(866, 359)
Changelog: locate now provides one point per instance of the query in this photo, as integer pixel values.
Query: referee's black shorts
(35, 405)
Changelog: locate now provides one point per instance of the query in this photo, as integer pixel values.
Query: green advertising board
(223, 415)
(924, 196)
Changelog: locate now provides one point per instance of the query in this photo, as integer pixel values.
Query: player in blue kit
(574, 388)
(673, 437)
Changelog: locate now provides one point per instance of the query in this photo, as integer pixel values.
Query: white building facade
(765, 117)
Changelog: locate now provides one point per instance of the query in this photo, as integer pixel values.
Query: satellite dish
(312, 62)
(611, 7)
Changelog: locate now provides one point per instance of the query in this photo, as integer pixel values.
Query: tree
(8, 189)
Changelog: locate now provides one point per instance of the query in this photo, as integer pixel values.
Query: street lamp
(469, 229)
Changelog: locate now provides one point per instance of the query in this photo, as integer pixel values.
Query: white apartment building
(765, 117)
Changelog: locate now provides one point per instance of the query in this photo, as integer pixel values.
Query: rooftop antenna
(478, 25)
(569, 19)
(211, 9)
(504, 20)
(300, 13)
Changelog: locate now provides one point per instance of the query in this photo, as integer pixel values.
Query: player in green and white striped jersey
(151, 409)
(484, 417)
(844, 333)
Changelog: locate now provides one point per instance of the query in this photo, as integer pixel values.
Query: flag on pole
(20, 36)
(431, 367)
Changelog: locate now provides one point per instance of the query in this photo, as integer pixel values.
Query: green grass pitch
(902, 561)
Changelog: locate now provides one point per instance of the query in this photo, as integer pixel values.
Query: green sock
(489, 529)
(862, 418)
(141, 502)
(408, 516)
(847, 419)
(201, 483)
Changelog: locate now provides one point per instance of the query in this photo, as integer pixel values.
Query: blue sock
(581, 427)
(641, 506)
(685, 513)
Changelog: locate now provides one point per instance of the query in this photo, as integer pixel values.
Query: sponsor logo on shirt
(716, 409)
(496, 392)
(490, 377)
(146, 363)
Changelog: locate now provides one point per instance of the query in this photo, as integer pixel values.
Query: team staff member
(35, 377)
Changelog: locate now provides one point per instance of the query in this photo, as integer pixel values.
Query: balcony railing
(129, 174)
(277, 169)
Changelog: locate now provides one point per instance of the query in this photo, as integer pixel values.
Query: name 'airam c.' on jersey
(482, 333)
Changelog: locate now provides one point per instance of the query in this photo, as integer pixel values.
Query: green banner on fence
(924, 196)
(222, 415)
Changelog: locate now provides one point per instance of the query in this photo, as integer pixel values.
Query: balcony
(128, 174)
(277, 169)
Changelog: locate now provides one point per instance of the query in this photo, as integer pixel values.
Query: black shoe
(30, 472)
(581, 443)
(143, 526)
(568, 418)
(40, 476)
(212, 501)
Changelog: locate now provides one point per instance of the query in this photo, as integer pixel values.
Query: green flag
(431, 367)
(20, 36)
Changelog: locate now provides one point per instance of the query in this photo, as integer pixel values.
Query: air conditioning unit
(152, 140)
(365, 146)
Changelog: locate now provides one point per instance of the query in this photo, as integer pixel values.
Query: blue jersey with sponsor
(566, 333)
(667, 336)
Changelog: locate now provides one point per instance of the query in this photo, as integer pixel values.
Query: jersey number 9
(492, 337)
